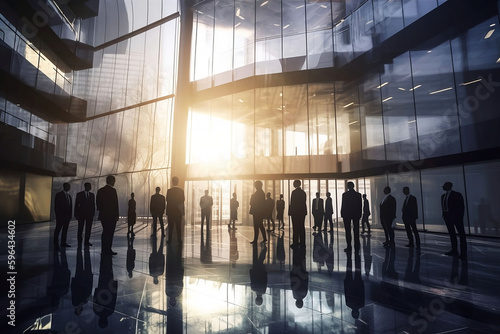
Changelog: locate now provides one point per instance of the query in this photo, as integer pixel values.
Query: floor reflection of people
(174, 277)
(412, 276)
(299, 277)
(389, 275)
(233, 247)
(367, 254)
(130, 255)
(206, 248)
(81, 284)
(280, 248)
(320, 253)
(258, 273)
(59, 285)
(156, 259)
(106, 291)
(354, 288)
(330, 254)
(461, 278)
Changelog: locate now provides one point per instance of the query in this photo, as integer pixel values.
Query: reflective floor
(219, 283)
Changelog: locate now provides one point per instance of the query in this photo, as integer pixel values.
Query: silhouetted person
(131, 215)
(364, 217)
(297, 210)
(106, 291)
(59, 285)
(130, 255)
(354, 288)
(84, 213)
(299, 277)
(63, 208)
(318, 212)
(280, 210)
(328, 212)
(175, 209)
(156, 259)
(387, 216)
(269, 212)
(157, 208)
(257, 210)
(258, 274)
(351, 213)
(453, 209)
(234, 255)
(107, 205)
(410, 215)
(233, 211)
(81, 284)
(174, 284)
(206, 203)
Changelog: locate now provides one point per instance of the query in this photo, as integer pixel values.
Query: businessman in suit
(328, 212)
(107, 204)
(175, 209)
(258, 211)
(84, 213)
(387, 215)
(298, 211)
(63, 207)
(157, 208)
(351, 214)
(453, 209)
(410, 215)
(318, 211)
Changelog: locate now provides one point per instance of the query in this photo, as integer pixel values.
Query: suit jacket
(258, 204)
(366, 208)
(107, 203)
(84, 207)
(388, 209)
(175, 202)
(456, 206)
(410, 209)
(320, 210)
(328, 206)
(157, 205)
(298, 205)
(351, 205)
(62, 207)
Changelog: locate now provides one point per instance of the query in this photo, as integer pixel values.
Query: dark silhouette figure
(233, 211)
(107, 205)
(156, 259)
(328, 212)
(320, 252)
(175, 209)
(258, 209)
(299, 277)
(318, 212)
(280, 210)
(106, 291)
(130, 255)
(364, 217)
(387, 216)
(367, 255)
(157, 208)
(234, 255)
(297, 210)
(258, 274)
(410, 215)
(351, 213)
(269, 212)
(81, 284)
(84, 213)
(63, 207)
(453, 209)
(59, 285)
(354, 288)
(174, 284)
(206, 203)
(131, 215)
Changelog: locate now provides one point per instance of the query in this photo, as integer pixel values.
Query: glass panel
(319, 15)
(320, 49)
(223, 41)
(343, 43)
(294, 53)
(151, 54)
(244, 36)
(135, 69)
(388, 16)
(296, 128)
(204, 40)
(166, 71)
(118, 95)
(363, 29)
(128, 144)
(414, 9)
(242, 133)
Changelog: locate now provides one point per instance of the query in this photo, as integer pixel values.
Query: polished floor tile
(217, 282)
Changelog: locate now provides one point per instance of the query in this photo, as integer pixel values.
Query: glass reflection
(106, 291)
(299, 276)
(174, 284)
(258, 273)
(354, 288)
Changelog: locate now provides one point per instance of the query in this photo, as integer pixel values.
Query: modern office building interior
(221, 93)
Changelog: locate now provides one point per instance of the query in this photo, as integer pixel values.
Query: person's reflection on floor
(320, 253)
(389, 275)
(59, 285)
(258, 273)
(81, 284)
(106, 291)
(330, 254)
(367, 254)
(130, 255)
(174, 277)
(206, 248)
(233, 247)
(156, 259)
(280, 248)
(299, 277)
(412, 272)
(463, 278)
(354, 288)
